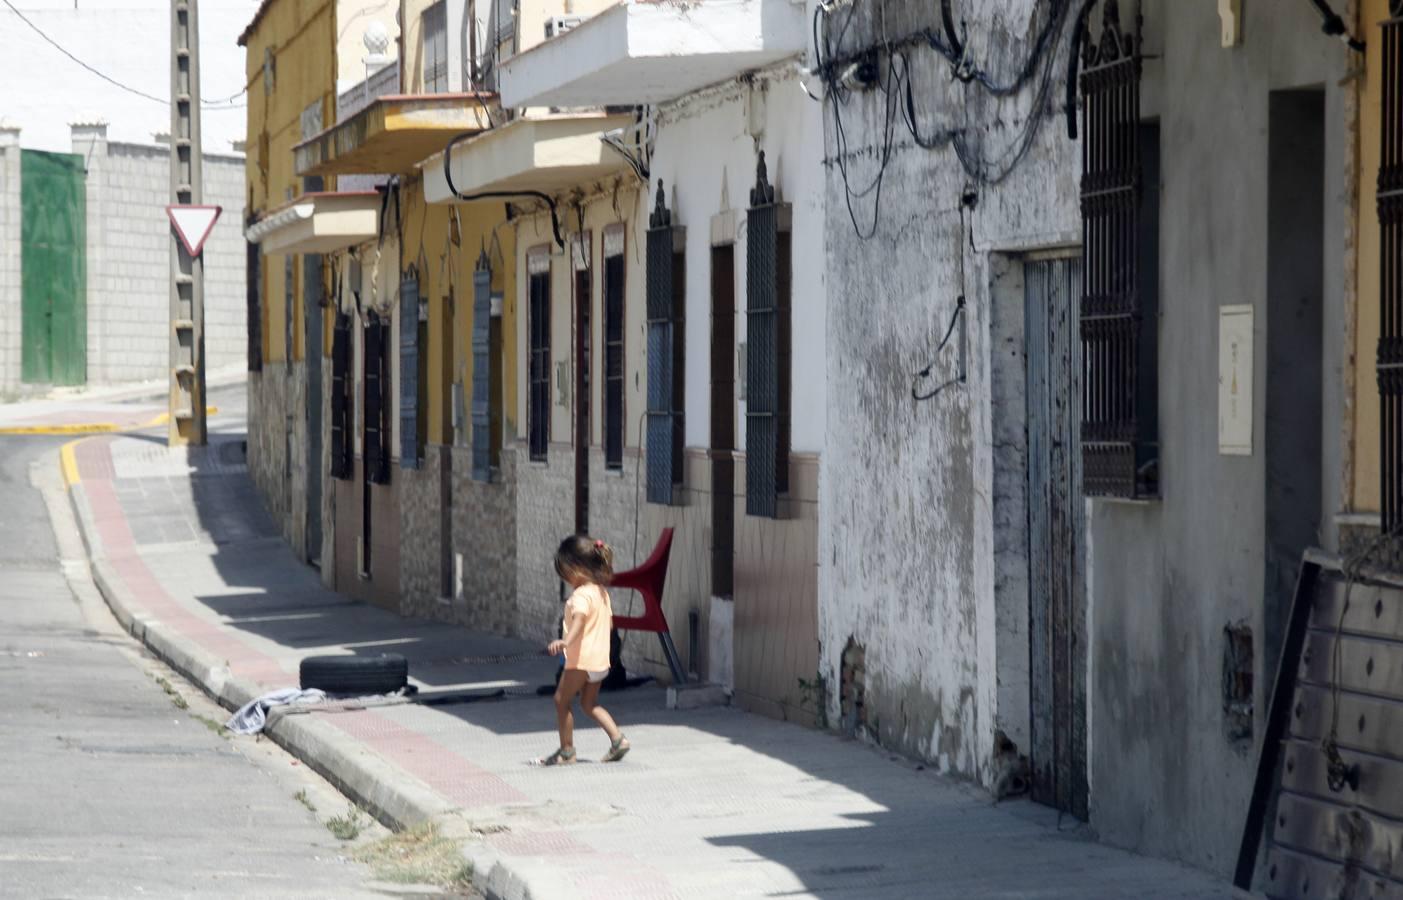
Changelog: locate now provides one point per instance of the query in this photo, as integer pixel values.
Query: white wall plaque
(1235, 380)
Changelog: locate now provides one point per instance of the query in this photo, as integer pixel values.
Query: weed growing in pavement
(171, 692)
(346, 827)
(419, 855)
(305, 800)
(216, 727)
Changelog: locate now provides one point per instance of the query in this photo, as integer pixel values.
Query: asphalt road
(107, 787)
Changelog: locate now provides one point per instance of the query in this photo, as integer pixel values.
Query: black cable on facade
(1334, 26)
(490, 195)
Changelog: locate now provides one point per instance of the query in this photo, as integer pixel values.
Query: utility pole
(187, 293)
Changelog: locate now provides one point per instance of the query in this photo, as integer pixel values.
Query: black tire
(358, 676)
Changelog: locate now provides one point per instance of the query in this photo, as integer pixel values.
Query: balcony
(545, 154)
(391, 134)
(318, 223)
(652, 52)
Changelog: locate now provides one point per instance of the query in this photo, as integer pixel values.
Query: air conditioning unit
(558, 25)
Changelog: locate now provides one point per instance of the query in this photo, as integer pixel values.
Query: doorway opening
(723, 420)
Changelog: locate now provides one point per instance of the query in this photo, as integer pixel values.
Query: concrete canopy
(637, 53)
(318, 223)
(547, 154)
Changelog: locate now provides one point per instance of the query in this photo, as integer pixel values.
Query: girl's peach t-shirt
(591, 651)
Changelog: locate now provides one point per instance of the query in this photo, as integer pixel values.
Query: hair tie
(599, 544)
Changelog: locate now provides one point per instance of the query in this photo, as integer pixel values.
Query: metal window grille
(377, 427)
(666, 299)
(1390, 204)
(539, 409)
(768, 351)
(409, 386)
(614, 358)
(1119, 199)
(253, 281)
(482, 359)
(341, 444)
(435, 38)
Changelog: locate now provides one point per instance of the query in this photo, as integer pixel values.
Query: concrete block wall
(9, 259)
(128, 262)
(276, 438)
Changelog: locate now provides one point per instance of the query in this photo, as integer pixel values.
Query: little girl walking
(587, 566)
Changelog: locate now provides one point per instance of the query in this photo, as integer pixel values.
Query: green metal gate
(53, 237)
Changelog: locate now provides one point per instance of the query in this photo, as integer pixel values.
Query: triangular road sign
(193, 224)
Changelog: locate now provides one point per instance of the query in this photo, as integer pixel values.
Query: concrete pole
(187, 295)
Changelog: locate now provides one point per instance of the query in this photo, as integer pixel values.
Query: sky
(42, 91)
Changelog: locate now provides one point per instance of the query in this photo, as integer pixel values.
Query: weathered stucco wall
(907, 487)
(1170, 575)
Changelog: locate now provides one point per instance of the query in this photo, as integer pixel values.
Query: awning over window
(545, 154)
(392, 134)
(318, 223)
(648, 52)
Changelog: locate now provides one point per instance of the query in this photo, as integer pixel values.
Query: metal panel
(1329, 791)
(1055, 515)
(409, 449)
(53, 253)
(482, 359)
(762, 338)
(1390, 207)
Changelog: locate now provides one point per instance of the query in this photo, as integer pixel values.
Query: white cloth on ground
(254, 715)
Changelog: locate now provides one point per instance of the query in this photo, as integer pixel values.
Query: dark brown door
(1057, 591)
(582, 397)
(723, 420)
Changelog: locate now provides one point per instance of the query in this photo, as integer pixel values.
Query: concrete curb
(393, 797)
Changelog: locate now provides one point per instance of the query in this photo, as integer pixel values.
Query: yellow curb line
(94, 427)
(69, 462)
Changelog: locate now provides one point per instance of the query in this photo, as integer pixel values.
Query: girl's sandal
(561, 757)
(617, 749)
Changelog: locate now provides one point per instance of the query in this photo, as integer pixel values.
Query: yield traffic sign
(193, 224)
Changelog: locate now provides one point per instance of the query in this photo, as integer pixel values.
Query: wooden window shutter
(482, 370)
(341, 444)
(409, 370)
(1119, 200)
(664, 440)
(762, 409)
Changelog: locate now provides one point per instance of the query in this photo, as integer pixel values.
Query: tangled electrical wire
(886, 67)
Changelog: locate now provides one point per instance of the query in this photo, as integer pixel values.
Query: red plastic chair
(648, 580)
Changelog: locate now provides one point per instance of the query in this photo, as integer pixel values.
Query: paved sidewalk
(712, 803)
(100, 409)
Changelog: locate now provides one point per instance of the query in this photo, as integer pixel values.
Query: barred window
(538, 315)
(376, 439)
(341, 443)
(1119, 306)
(614, 423)
(666, 312)
(769, 353)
